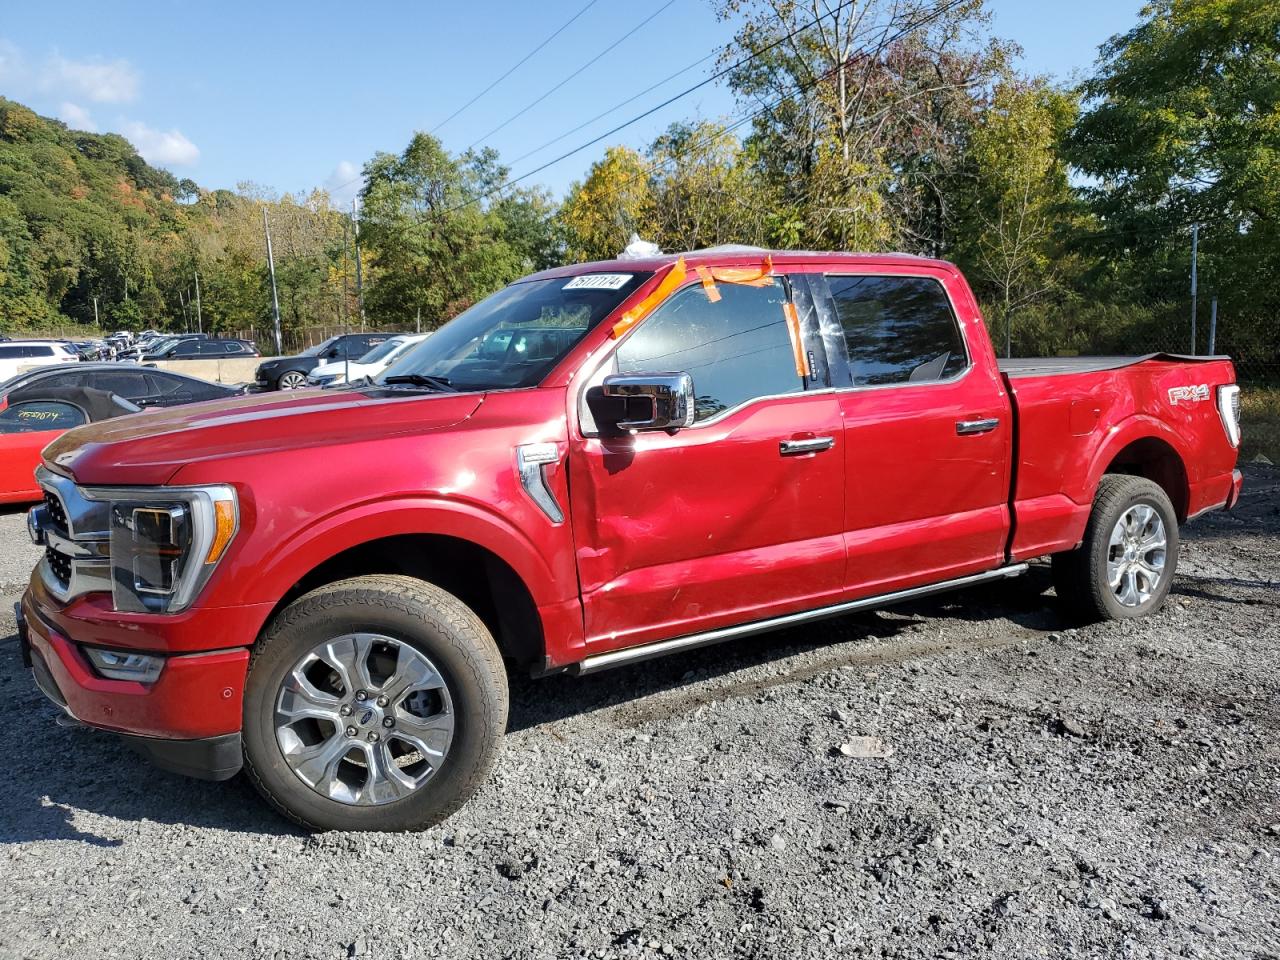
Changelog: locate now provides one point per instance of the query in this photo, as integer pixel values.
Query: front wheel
(375, 703)
(292, 380)
(1126, 562)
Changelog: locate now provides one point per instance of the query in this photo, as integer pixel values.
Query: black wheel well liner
(481, 579)
(1159, 462)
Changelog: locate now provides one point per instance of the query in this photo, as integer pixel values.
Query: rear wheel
(291, 380)
(375, 703)
(1125, 565)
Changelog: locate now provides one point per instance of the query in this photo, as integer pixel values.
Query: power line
(515, 116)
(617, 106)
(527, 57)
(909, 28)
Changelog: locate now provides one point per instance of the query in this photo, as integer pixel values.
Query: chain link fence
(1082, 329)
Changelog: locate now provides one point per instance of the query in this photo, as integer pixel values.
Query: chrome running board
(616, 658)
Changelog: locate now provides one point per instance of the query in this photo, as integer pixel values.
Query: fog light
(118, 665)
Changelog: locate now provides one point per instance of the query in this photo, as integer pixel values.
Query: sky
(295, 96)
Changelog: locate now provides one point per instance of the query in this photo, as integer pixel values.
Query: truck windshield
(515, 337)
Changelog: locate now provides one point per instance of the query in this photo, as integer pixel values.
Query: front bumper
(187, 721)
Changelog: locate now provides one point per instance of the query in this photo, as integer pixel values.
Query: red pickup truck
(598, 464)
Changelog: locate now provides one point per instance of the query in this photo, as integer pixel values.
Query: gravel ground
(1112, 791)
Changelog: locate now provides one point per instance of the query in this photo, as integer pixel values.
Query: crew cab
(598, 464)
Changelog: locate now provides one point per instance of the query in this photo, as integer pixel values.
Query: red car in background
(30, 419)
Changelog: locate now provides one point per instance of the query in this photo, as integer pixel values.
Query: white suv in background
(18, 355)
(369, 365)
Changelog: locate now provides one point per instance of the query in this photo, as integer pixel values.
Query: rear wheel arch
(1144, 447)
(1158, 461)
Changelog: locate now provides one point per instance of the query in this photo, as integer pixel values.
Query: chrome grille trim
(77, 558)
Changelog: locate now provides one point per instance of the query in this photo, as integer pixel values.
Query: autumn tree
(600, 213)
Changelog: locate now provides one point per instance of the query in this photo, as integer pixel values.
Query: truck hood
(148, 448)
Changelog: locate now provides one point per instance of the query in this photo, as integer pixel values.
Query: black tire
(417, 614)
(1080, 575)
(291, 380)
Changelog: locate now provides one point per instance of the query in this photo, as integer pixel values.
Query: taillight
(1229, 410)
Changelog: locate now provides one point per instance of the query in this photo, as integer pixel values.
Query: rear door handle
(966, 427)
(806, 445)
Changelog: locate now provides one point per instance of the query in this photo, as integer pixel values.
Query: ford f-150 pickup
(598, 464)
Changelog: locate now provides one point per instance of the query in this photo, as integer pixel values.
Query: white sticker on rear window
(598, 281)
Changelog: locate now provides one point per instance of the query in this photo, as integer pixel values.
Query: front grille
(59, 566)
(56, 513)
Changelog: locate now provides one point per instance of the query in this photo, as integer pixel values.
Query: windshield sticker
(598, 281)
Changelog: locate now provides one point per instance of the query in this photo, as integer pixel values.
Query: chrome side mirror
(668, 397)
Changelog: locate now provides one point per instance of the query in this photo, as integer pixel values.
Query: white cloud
(76, 117)
(344, 184)
(101, 81)
(166, 148)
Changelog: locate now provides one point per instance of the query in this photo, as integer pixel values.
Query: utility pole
(359, 280)
(1213, 326)
(419, 326)
(275, 298)
(1195, 243)
(95, 311)
(199, 319)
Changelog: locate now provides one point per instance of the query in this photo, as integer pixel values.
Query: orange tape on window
(641, 310)
(797, 341)
(708, 285)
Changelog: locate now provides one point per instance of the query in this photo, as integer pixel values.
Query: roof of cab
(733, 254)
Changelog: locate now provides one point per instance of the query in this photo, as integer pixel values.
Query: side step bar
(616, 658)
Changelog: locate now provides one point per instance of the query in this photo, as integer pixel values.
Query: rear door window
(736, 348)
(897, 330)
(36, 416)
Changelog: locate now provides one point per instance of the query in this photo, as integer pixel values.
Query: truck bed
(1050, 366)
(1077, 417)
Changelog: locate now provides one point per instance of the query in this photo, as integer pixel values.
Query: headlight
(165, 543)
(324, 380)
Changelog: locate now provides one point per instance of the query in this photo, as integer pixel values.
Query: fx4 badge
(1193, 394)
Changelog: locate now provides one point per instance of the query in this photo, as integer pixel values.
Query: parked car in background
(16, 354)
(290, 373)
(150, 342)
(31, 417)
(145, 386)
(333, 372)
(596, 465)
(207, 349)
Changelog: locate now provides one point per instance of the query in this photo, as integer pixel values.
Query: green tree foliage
(436, 247)
(1183, 126)
(1017, 202)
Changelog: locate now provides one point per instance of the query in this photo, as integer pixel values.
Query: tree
(859, 123)
(1012, 248)
(438, 247)
(600, 214)
(1182, 126)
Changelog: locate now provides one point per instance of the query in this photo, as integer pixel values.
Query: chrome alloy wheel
(364, 719)
(1136, 555)
(293, 380)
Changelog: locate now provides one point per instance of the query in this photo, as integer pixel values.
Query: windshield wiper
(423, 380)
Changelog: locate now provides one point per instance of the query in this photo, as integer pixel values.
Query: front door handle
(806, 445)
(966, 427)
